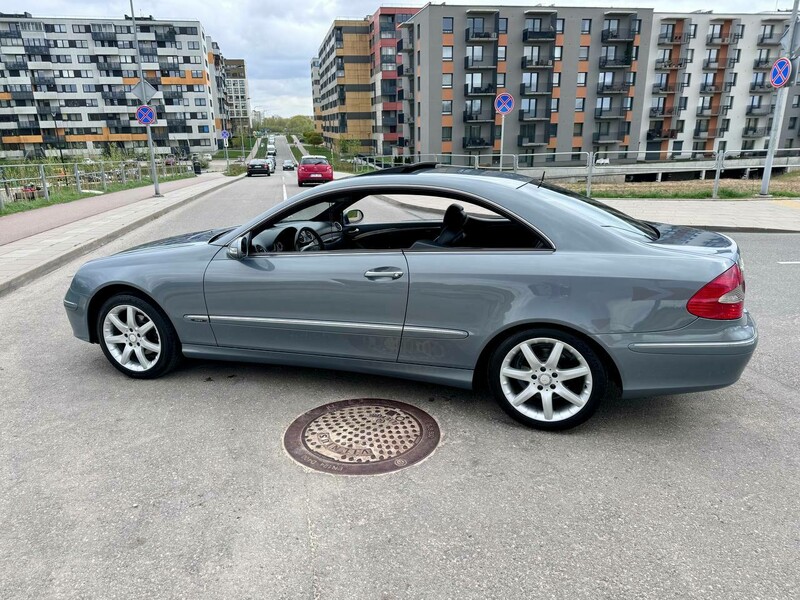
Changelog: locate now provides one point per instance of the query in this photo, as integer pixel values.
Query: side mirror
(354, 216)
(237, 249)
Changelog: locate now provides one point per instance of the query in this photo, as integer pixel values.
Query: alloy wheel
(131, 337)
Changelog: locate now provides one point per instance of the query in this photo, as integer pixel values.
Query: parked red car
(314, 169)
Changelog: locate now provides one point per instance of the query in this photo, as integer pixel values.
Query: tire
(521, 377)
(151, 353)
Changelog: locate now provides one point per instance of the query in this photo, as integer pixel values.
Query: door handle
(391, 274)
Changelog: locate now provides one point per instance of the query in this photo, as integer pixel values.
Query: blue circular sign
(225, 134)
(145, 115)
(504, 103)
(781, 70)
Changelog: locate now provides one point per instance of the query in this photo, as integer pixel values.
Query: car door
(332, 303)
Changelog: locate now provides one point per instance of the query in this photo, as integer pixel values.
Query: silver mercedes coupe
(552, 299)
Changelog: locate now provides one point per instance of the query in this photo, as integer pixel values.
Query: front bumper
(704, 355)
(76, 306)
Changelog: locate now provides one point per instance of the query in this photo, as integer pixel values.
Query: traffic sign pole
(503, 103)
(153, 171)
(780, 106)
(502, 137)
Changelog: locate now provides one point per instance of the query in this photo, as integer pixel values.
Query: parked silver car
(552, 298)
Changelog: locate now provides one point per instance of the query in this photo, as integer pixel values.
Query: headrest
(455, 217)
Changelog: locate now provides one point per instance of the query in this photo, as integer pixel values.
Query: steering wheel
(307, 240)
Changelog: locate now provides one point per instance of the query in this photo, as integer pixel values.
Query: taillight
(722, 298)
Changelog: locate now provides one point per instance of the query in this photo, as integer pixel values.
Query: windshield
(313, 161)
(604, 214)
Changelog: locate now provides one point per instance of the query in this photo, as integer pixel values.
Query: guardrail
(590, 165)
(31, 181)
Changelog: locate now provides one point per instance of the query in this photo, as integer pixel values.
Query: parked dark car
(258, 166)
(553, 299)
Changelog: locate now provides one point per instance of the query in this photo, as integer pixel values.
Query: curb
(720, 228)
(17, 282)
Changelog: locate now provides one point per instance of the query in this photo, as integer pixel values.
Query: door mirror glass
(352, 217)
(237, 249)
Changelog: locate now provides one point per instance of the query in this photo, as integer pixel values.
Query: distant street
(180, 487)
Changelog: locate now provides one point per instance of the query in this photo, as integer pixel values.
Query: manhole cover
(366, 436)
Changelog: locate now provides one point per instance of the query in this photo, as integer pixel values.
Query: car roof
(315, 156)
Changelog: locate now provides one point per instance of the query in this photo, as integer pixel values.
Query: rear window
(313, 161)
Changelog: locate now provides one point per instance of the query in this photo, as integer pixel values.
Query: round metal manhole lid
(367, 436)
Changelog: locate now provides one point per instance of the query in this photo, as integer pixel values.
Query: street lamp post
(58, 139)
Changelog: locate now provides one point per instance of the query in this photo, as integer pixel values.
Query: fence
(29, 181)
(590, 166)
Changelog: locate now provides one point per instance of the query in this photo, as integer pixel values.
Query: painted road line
(789, 262)
(283, 178)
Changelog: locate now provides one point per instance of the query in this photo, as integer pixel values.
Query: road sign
(144, 91)
(779, 76)
(145, 115)
(504, 103)
(225, 134)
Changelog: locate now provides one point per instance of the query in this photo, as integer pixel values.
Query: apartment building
(219, 89)
(387, 114)
(708, 86)
(345, 98)
(65, 85)
(238, 94)
(315, 95)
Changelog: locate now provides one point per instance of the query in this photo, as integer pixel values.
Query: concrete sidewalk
(27, 258)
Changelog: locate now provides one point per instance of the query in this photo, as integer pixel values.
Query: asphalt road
(180, 487)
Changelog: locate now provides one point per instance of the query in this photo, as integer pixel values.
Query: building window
(586, 26)
(693, 31)
(447, 25)
(579, 104)
(559, 25)
(502, 25)
(447, 53)
(581, 79)
(447, 107)
(554, 105)
(637, 26)
(635, 53)
(583, 53)
(501, 80)
(447, 80)
(556, 79)
(795, 101)
(557, 50)
(501, 53)
(792, 122)
(199, 101)
(577, 129)
(447, 134)
(627, 103)
(202, 128)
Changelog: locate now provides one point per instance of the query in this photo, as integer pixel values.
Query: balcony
(49, 138)
(618, 35)
(761, 88)
(389, 121)
(755, 132)
(617, 112)
(720, 40)
(165, 36)
(711, 111)
(16, 64)
(537, 139)
(474, 35)
(109, 65)
(487, 89)
(473, 142)
(149, 58)
(22, 95)
(763, 63)
(172, 95)
(176, 122)
(534, 115)
(538, 35)
(111, 122)
(485, 116)
(669, 39)
(670, 63)
(485, 63)
(159, 134)
(113, 95)
(663, 88)
(607, 137)
(400, 71)
(613, 88)
(34, 48)
(700, 134)
(614, 63)
(43, 80)
(665, 111)
(10, 33)
(536, 63)
(709, 88)
(769, 39)
(44, 109)
(662, 134)
(711, 64)
(169, 66)
(760, 111)
(543, 87)
(104, 36)
(27, 131)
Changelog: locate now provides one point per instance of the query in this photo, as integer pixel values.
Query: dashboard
(281, 236)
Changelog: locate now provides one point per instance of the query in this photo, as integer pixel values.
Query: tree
(312, 138)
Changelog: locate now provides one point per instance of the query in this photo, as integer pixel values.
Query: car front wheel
(547, 378)
(137, 338)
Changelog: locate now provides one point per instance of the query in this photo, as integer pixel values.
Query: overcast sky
(278, 38)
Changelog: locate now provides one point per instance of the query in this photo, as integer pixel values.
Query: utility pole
(780, 105)
(153, 171)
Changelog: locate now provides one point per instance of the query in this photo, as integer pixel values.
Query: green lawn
(69, 195)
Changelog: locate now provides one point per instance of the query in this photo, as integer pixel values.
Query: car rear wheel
(137, 338)
(547, 378)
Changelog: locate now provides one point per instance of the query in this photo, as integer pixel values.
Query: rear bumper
(705, 355)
